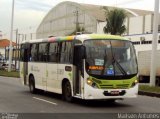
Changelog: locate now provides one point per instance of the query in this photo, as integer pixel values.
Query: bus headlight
(134, 83)
(91, 83)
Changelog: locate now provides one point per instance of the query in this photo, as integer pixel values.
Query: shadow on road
(86, 103)
(100, 103)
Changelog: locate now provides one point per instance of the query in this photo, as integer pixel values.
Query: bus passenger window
(34, 52)
(66, 52)
(53, 52)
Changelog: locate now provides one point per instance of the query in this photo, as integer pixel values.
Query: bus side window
(29, 53)
(42, 54)
(53, 53)
(22, 53)
(34, 52)
(66, 52)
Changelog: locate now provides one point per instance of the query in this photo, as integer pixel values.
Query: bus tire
(32, 85)
(67, 93)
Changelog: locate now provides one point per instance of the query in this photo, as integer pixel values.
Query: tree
(115, 21)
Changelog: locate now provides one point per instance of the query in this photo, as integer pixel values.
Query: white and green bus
(87, 66)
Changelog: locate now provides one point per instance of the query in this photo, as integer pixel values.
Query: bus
(86, 66)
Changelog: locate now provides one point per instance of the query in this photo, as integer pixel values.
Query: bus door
(24, 63)
(78, 68)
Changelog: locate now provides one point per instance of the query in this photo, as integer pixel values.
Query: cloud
(33, 5)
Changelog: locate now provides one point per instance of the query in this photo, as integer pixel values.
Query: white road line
(45, 101)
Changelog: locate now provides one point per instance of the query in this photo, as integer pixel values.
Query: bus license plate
(114, 92)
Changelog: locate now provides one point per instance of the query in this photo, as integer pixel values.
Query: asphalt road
(16, 98)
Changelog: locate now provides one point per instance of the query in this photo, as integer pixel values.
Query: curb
(149, 94)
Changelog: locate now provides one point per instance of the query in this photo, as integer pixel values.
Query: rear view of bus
(110, 68)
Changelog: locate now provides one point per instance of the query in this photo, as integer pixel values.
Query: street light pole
(0, 34)
(154, 44)
(11, 37)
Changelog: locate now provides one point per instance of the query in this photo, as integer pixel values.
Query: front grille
(114, 86)
(122, 85)
(106, 86)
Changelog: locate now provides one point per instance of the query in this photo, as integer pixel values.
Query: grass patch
(147, 88)
(9, 74)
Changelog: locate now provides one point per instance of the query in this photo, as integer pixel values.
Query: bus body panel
(91, 93)
(35, 69)
(61, 75)
(22, 72)
(52, 78)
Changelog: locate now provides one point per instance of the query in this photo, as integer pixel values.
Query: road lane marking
(45, 101)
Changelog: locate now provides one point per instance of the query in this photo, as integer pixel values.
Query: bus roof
(77, 37)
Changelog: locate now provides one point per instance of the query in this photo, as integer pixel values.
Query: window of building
(136, 43)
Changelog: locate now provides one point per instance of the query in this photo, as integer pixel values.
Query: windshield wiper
(120, 67)
(115, 61)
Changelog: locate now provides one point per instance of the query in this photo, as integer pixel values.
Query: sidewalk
(149, 94)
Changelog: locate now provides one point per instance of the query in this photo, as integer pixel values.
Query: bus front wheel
(67, 93)
(32, 85)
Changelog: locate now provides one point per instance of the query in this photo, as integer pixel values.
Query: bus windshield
(110, 58)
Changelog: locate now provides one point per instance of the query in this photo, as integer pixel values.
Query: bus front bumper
(91, 93)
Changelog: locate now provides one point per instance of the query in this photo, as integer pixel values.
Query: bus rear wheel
(67, 93)
(32, 85)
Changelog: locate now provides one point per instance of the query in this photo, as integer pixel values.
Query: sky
(28, 14)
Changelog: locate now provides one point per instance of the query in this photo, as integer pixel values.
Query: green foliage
(115, 21)
(9, 74)
(147, 88)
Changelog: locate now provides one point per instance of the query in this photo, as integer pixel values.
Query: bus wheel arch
(32, 84)
(66, 90)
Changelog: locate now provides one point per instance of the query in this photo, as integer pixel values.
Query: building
(4, 48)
(64, 18)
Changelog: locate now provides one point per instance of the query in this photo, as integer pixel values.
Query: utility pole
(31, 36)
(11, 36)
(19, 49)
(16, 51)
(0, 34)
(77, 23)
(22, 36)
(25, 37)
(154, 44)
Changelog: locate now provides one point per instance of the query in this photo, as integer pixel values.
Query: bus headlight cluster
(134, 83)
(91, 83)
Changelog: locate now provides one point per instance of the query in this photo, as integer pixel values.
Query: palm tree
(115, 21)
